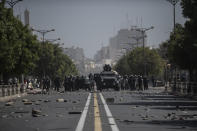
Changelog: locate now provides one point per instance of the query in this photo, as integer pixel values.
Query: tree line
(22, 53)
(141, 61)
(181, 48)
(179, 51)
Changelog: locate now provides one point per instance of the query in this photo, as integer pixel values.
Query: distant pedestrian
(145, 82)
(57, 83)
(140, 82)
(153, 81)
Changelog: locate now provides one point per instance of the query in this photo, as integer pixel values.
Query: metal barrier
(9, 90)
(186, 88)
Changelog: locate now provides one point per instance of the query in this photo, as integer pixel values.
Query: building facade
(124, 41)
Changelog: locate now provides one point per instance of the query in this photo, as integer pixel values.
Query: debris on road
(74, 102)
(61, 100)
(25, 100)
(36, 113)
(47, 101)
(128, 121)
(74, 112)
(4, 116)
(28, 103)
(10, 103)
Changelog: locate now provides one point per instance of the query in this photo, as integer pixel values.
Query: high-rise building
(124, 41)
(77, 56)
(26, 17)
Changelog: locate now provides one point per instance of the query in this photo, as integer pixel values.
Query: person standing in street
(57, 83)
(145, 82)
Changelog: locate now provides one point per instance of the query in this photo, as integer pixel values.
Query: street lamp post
(53, 40)
(13, 3)
(173, 2)
(143, 30)
(43, 32)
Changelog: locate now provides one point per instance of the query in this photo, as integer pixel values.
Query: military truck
(109, 79)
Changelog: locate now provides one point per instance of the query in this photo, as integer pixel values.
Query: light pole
(53, 40)
(143, 31)
(43, 32)
(13, 3)
(173, 2)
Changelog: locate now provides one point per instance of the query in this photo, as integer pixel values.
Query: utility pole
(43, 32)
(143, 30)
(52, 40)
(174, 2)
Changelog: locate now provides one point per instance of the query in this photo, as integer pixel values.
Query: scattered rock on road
(4, 116)
(128, 121)
(74, 102)
(61, 100)
(47, 101)
(74, 112)
(36, 113)
(28, 103)
(10, 103)
(25, 100)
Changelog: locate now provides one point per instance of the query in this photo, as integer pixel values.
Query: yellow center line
(97, 118)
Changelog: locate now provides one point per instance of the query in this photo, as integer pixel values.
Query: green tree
(22, 53)
(53, 62)
(182, 45)
(135, 62)
(190, 36)
(18, 47)
(122, 66)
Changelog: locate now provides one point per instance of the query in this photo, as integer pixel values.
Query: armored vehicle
(109, 79)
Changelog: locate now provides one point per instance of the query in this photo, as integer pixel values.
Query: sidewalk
(7, 98)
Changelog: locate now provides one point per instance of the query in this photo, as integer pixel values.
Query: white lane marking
(111, 120)
(81, 122)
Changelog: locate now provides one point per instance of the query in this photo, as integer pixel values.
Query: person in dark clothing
(130, 81)
(65, 83)
(73, 83)
(57, 83)
(134, 82)
(77, 83)
(70, 83)
(140, 81)
(145, 82)
(48, 83)
(153, 81)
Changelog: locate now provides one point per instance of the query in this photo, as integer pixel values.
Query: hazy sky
(90, 23)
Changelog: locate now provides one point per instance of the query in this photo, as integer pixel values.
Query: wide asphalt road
(100, 111)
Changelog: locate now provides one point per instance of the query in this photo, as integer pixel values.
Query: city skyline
(90, 24)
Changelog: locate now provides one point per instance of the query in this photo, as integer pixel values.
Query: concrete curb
(7, 98)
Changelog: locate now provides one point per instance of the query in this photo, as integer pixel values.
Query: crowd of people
(74, 83)
(134, 82)
(70, 83)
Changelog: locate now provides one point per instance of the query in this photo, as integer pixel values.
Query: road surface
(150, 110)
